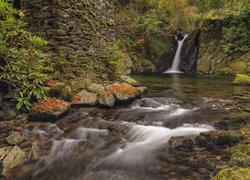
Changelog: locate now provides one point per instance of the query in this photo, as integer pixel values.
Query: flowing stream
(130, 142)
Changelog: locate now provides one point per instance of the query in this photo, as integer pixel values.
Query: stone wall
(81, 33)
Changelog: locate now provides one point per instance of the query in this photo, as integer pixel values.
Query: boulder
(96, 88)
(7, 114)
(128, 80)
(219, 138)
(141, 90)
(15, 157)
(4, 152)
(106, 100)
(201, 162)
(182, 143)
(34, 153)
(241, 80)
(84, 98)
(146, 102)
(122, 92)
(15, 138)
(49, 110)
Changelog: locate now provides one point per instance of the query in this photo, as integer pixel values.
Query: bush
(21, 60)
(236, 33)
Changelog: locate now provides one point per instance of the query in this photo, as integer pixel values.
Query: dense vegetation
(22, 64)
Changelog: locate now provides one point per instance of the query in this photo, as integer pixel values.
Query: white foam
(143, 140)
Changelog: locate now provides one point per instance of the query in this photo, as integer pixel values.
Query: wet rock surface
(15, 138)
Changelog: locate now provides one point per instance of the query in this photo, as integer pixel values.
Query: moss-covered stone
(234, 173)
(7, 114)
(241, 80)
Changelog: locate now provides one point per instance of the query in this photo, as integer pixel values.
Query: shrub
(21, 60)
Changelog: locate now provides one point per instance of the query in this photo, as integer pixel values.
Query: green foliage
(22, 64)
(236, 33)
(117, 62)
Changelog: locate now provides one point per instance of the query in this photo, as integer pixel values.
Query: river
(131, 142)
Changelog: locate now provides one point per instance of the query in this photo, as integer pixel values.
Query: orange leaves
(76, 99)
(139, 42)
(51, 104)
(52, 83)
(127, 90)
(105, 93)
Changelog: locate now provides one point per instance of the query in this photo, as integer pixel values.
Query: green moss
(241, 79)
(157, 46)
(7, 114)
(234, 173)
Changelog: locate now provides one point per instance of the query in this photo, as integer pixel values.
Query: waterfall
(177, 58)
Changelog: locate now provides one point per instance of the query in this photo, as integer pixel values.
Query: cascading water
(177, 58)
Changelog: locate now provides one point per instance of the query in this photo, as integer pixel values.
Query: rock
(96, 88)
(240, 155)
(122, 92)
(141, 90)
(241, 80)
(231, 123)
(84, 98)
(15, 138)
(4, 152)
(233, 173)
(201, 162)
(7, 114)
(128, 80)
(34, 152)
(218, 138)
(106, 100)
(15, 157)
(182, 143)
(59, 90)
(60, 13)
(49, 110)
(146, 102)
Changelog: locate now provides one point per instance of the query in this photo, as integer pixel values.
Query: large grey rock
(15, 157)
(15, 138)
(84, 98)
(107, 100)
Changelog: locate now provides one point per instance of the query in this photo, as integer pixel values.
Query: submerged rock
(15, 157)
(15, 138)
(241, 80)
